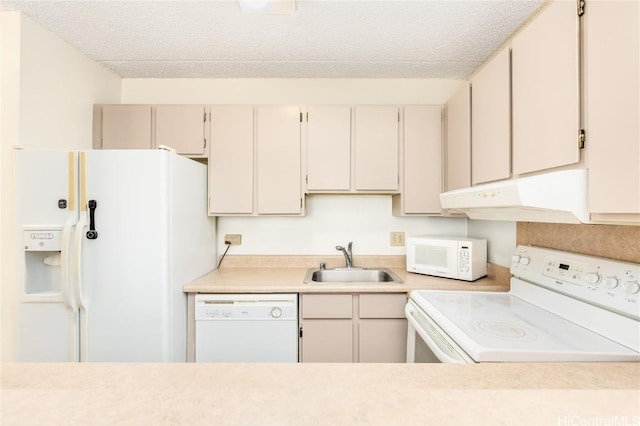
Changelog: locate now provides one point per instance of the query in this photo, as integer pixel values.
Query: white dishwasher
(246, 328)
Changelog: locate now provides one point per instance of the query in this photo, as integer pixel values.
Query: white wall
(501, 239)
(58, 87)
(48, 90)
(331, 220)
(288, 91)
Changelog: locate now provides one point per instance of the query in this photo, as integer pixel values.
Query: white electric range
(561, 307)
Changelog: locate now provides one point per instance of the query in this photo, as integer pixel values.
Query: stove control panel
(609, 283)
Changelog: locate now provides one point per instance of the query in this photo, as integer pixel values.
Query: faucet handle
(323, 266)
(349, 246)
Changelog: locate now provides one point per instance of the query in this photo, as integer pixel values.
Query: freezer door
(125, 313)
(46, 212)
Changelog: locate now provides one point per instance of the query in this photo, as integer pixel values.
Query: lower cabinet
(353, 327)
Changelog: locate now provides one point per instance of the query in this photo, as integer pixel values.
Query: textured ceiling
(322, 39)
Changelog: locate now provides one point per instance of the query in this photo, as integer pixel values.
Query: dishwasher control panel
(246, 306)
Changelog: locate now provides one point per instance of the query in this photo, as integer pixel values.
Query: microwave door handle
(432, 342)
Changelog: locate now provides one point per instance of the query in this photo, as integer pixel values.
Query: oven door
(426, 342)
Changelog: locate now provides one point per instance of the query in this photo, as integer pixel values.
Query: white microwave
(449, 257)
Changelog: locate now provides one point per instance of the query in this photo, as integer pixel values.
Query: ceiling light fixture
(279, 7)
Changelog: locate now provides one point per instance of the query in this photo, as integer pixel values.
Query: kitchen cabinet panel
(328, 148)
(422, 160)
(491, 123)
(182, 127)
(546, 90)
(612, 107)
(382, 305)
(353, 327)
(231, 166)
(126, 127)
(327, 306)
(458, 140)
(278, 160)
(327, 340)
(382, 340)
(376, 148)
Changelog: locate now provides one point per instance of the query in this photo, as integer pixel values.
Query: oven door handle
(446, 354)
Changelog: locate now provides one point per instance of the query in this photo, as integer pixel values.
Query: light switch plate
(234, 239)
(397, 239)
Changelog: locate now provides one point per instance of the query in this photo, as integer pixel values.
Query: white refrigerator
(106, 241)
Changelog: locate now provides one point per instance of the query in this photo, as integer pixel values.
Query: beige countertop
(320, 394)
(285, 274)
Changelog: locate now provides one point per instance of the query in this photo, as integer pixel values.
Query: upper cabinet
(458, 140)
(328, 148)
(231, 166)
(421, 161)
(612, 108)
(183, 127)
(278, 160)
(546, 101)
(335, 164)
(124, 127)
(491, 123)
(376, 148)
(254, 161)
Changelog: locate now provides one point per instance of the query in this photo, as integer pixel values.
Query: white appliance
(106, 240)
(559, 197)
(246, 328)
(459, 258)
(561, 307)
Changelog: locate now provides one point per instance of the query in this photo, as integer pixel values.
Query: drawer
(327, 306)
(382, 305)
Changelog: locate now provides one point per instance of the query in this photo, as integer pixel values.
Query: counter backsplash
(611, 241)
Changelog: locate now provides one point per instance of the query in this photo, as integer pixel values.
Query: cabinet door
(182, 127)
(382, 340)
(278, 140)
(328, 340)
(546, 91)
(328, 148)
(491, 124)
(231, 160)
(612, 106)
(376, 148)
(382, 305)
(422, 180)
(458, 143)
(126, 127)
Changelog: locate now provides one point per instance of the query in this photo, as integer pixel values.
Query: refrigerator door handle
(77, 249)
(68, 292)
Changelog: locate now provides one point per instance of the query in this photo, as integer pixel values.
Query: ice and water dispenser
(42, 256)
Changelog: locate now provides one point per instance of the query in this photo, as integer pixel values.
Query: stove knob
(632, 287)
(611, 282)
(525, 260)
(276, 312)
(593, 278)
(515, 258)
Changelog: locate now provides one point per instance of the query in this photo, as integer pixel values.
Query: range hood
(558, 197)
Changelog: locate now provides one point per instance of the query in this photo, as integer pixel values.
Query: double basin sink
(355, 275)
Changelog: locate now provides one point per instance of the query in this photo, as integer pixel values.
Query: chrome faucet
(348, 255)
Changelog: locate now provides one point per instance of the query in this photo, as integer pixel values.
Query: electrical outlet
(397, 239)
(234, 239)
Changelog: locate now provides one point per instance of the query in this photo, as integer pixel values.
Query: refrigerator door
(124, 269)
(46, 213)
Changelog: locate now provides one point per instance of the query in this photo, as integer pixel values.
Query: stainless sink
(351, 275)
